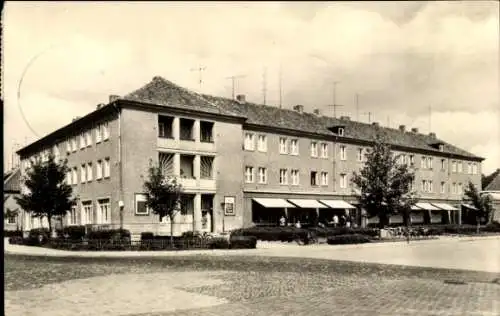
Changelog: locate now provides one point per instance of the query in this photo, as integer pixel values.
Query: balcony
(185, 134)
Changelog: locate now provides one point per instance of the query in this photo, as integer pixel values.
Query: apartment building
(239, 163)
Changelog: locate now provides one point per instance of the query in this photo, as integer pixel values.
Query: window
(98, 170)
(11, 219)
(283, 145)
(186, 128)
(68, 146)
(443, 187)
(343, 181)
(453, 166)
(68, 178)
(441, 147)
(75, 176)
(429, 162)
(140, 205)
(88, 136)
(82, 141)
(55, 150)
(206, 167)
(295, 177)
(248, 174)
(103, 211)
(73, 144)
(343, 154)
(360, 154)
(98, 134)
(324, 150)
(314, 149)
(89, 171)
(423, 162)
(324, 178)
(73, 219)
(443, 164)
(459, 167)
(87, 213)
(283, 176)
(314, 178)
(454, 188)
(341, 131)
(262, 175)
(474, 168)
(459, 188)
(106, 168)
(412, 160)
(431, 186)
(105, 131)
(294, 146)
(262, 143)
(249, 141)
(469, 168)
(83, 176)
(206, 132)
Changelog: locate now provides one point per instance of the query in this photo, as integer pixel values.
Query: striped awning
(444, 206)
(304, 203)
(273, 203)
(337, 204)
(427, 206)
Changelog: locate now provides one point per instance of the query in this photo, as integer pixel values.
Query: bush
(147, 236)
(287, 234)
(16, 240)
(38, 237)
(12, 233)
(218, 243)
(243, 242)
(74, 233)
(337, 231)
(348, 239)
(109, 234)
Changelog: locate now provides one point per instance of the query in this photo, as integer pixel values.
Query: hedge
(337, 231)
(287, 234)
(108, 234)
(12, 233)
(243, 242)
(348, 239)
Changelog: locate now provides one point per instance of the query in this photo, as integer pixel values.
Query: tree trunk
(383, 220)
(478, 223)
(52, 232)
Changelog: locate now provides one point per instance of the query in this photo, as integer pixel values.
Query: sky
(430, 65)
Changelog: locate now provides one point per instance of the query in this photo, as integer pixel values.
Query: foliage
(48, 194)
(384, 183)
(109, 234)
(335, 231)
(163, 194)
(348, 239)
(482, 203)
(73, 232)
(243, 242)
(219, 243)
(285, 234)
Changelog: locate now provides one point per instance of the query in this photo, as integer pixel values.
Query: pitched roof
(494, 184)
(164, 92)
(11, 183)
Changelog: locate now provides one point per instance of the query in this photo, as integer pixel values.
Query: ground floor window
(103, 211)
(87, 213)
(73, 216)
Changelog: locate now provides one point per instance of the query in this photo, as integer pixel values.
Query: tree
(482, 202)
(47, 195)
(163, 194)
(384, 183)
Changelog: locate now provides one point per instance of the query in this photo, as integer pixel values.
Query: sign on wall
(229, 206)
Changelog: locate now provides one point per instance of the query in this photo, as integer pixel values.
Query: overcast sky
(405, 60)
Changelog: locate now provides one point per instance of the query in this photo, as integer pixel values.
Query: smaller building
(493, 190)
(11, 189)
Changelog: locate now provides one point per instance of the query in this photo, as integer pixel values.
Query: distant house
(493, 190)
(11, 189)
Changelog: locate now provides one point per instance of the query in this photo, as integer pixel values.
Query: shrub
(337, 231)
(16, 240)
(147, 236)
(74, 233)
(243, 242)
(348, 239)
(12, 233)
(38, 236)
(272, 233)
(109, 234)
(218, 243)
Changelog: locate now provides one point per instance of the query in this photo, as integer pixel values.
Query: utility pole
(369, 116)
(233, 80)
(264, 84)
(200, 69)
(335, 105)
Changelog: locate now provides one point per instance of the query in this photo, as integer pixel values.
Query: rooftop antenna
(264, 84)
(281, 86)
(369, 116)
(200, 69)
(357, 107)
(233, 80)
(335, 105)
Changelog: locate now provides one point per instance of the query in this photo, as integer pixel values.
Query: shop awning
(427, 207)
(444, 206)
(470, 207)
(273, 203)
(337, 204)
(303, 203)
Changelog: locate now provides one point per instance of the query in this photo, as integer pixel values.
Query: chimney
(375, 124)
(299, 108)
(113, 98)
(432, 135)
(317, 112)
(402, 128)
(345, 118)
(414, 130)
(100, 105)
(241, 98)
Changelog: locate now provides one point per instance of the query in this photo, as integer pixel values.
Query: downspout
(120, 165)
